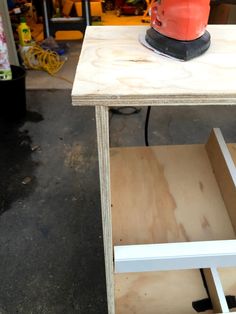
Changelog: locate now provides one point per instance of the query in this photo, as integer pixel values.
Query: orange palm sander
(178, 28)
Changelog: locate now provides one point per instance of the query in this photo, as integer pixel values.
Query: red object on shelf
(182, 19)
(129, 8)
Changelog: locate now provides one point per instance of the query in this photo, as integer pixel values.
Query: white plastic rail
(173, 256)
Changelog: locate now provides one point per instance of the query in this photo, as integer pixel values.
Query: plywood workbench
(167, 210)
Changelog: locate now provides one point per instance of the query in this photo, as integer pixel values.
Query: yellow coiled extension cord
(37, 58)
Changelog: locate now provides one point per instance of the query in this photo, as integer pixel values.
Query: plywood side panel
(105, 191)
(225, 171)
(166, 194)
(228, 275)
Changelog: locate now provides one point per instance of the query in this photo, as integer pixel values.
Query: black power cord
(146, 125)
(127, 110)
(206, 304)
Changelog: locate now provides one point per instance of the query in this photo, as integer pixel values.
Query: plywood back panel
(166, 194)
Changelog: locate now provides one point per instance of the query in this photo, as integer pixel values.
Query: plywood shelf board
(169, 193)
(159, 292)
(166, 292)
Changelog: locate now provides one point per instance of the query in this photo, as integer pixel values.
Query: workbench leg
(102, 123)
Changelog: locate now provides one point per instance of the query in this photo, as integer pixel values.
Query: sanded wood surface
(115, 69)
(166, 194)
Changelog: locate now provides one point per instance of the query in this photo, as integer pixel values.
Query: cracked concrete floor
(51, 254)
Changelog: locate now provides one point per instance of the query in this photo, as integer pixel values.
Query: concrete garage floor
(51, 255)
(64, 78)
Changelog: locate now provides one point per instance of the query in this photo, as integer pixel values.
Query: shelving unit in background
(54, 24)
(222, 12)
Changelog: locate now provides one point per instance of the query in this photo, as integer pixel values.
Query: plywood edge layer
(174, 256)
(147, 100)
(224, 170)
(102, 125)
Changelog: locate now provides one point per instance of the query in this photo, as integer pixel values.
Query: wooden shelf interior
(167, 194)
(169, 292)
(158, 292)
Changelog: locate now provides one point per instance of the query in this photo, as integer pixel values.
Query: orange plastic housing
(180, 19)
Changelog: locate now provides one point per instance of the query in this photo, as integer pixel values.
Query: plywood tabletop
(116, 69)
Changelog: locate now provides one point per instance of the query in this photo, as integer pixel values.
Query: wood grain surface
(169, 292)
(116, 69)
(166, 194)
